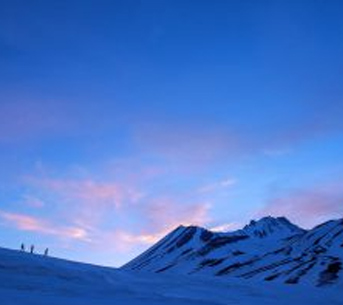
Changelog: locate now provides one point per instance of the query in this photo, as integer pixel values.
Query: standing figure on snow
(22, 247)
(46, 252)
(32, 249)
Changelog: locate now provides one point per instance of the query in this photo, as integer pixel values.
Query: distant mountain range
(270, 249)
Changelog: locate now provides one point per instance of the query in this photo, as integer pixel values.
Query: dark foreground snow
(34, 280)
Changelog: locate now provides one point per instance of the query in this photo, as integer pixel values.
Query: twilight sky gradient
(120, 120)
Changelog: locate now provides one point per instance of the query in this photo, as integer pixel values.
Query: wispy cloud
(120, 239)
(85, 201)
(88, 191)
(219, 185)
(158, 219)
(308, 206)
(124, 240)
(32, 201)
(226, 227)
(164, 214)
(115, 212)
(29, 223)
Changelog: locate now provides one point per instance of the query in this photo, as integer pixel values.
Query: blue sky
(120, 120)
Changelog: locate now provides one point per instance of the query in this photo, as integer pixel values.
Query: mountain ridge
(271, 249)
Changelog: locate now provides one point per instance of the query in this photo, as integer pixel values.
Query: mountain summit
(272, 226)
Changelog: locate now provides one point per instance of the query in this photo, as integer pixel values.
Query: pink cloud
(124, 241)
(164, 214)
(105, 210)
(308, 206)
(161, 218)
(29, 223)
(86, 202)
(88, 191)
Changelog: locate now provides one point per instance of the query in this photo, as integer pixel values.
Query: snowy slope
(271, 249)
(34, 280)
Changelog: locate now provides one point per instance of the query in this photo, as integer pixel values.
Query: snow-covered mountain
(270, 249)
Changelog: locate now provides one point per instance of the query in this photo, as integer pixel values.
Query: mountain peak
(271, 226)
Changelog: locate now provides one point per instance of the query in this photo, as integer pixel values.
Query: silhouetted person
(46, 252)
(22, 247)
(32, 249)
